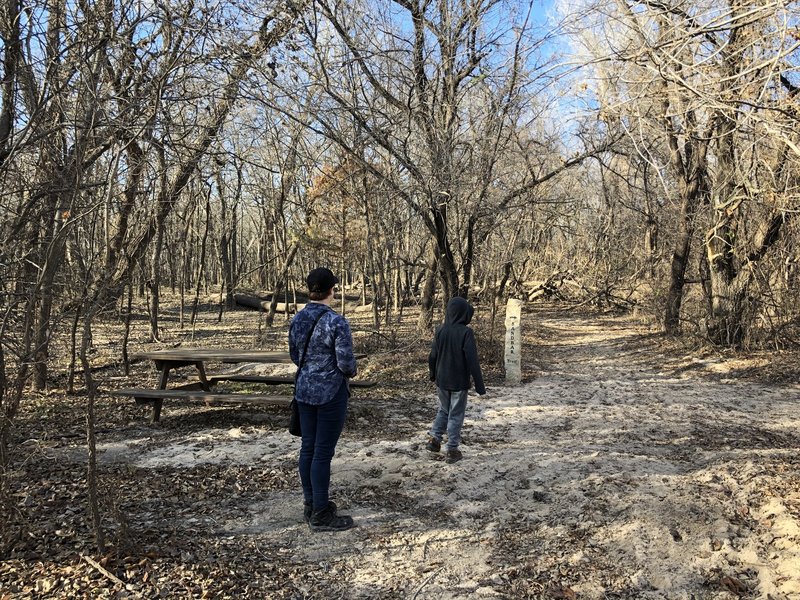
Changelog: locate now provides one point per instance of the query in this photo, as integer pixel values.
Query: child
(453, 358)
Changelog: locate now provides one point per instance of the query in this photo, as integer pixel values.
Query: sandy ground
(612, 474)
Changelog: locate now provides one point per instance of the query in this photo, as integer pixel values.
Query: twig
(103, 570)
(426, 582)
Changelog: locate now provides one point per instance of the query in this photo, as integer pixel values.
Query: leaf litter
(613, 471)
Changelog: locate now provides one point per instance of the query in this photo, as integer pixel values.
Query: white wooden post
(513, 356)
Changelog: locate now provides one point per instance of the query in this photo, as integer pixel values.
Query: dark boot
(308, 508)
(433, 445)
(453, 456)
(327, 520)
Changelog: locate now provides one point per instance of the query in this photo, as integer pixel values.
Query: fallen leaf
(733, 585)
(563, 593)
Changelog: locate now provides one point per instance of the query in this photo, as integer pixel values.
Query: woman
(322, 392)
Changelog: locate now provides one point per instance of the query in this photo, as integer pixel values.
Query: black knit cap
(321, 280)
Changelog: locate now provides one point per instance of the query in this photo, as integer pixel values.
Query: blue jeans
(450, 417)
(321, 427)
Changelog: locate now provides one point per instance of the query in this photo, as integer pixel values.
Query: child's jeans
(450, 417)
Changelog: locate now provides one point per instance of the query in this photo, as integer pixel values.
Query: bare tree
(440, 108)
(705, 87)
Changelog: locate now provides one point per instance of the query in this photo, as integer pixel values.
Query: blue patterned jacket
(330, 357)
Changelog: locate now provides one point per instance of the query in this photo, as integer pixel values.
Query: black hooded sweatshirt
(454, 354)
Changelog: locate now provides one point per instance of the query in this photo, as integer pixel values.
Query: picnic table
(167, 361)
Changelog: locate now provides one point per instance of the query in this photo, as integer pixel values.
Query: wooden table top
(227, 355)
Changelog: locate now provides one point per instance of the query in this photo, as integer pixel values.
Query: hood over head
(459, 311)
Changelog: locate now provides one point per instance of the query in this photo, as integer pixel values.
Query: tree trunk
(448, 275)
(201, 259)
(52, 259)
(11, 398)
(680, 261)
(280, 284)
(690, 168)
(729, 280)
(126, 363)
(428, 292)
(226, 243)
(726, 325)
(73, 350)
(13, 54)
(651, 226)
(91, 440)
(369, 267)
(154, 282)
(469, 256)
(446, 261)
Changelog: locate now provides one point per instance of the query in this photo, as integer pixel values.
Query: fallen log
(258, 303)
(299, 296)
(364, 308)
(248, 301)
(550, 287)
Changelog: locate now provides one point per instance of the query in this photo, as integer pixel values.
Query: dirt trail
(607, 476)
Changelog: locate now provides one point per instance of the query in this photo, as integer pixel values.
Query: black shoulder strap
(308, 339)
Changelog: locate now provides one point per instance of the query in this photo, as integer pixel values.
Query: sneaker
(453, 456)
(433, 445)
(327, 520)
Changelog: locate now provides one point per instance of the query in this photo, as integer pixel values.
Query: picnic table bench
(202, 390)
(276, 380)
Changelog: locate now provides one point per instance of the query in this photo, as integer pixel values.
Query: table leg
(165, 367)
(156, 416)
(201, 372)
(162, 385)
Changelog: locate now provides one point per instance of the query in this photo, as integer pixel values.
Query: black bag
(294, 419)
(294, 414)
